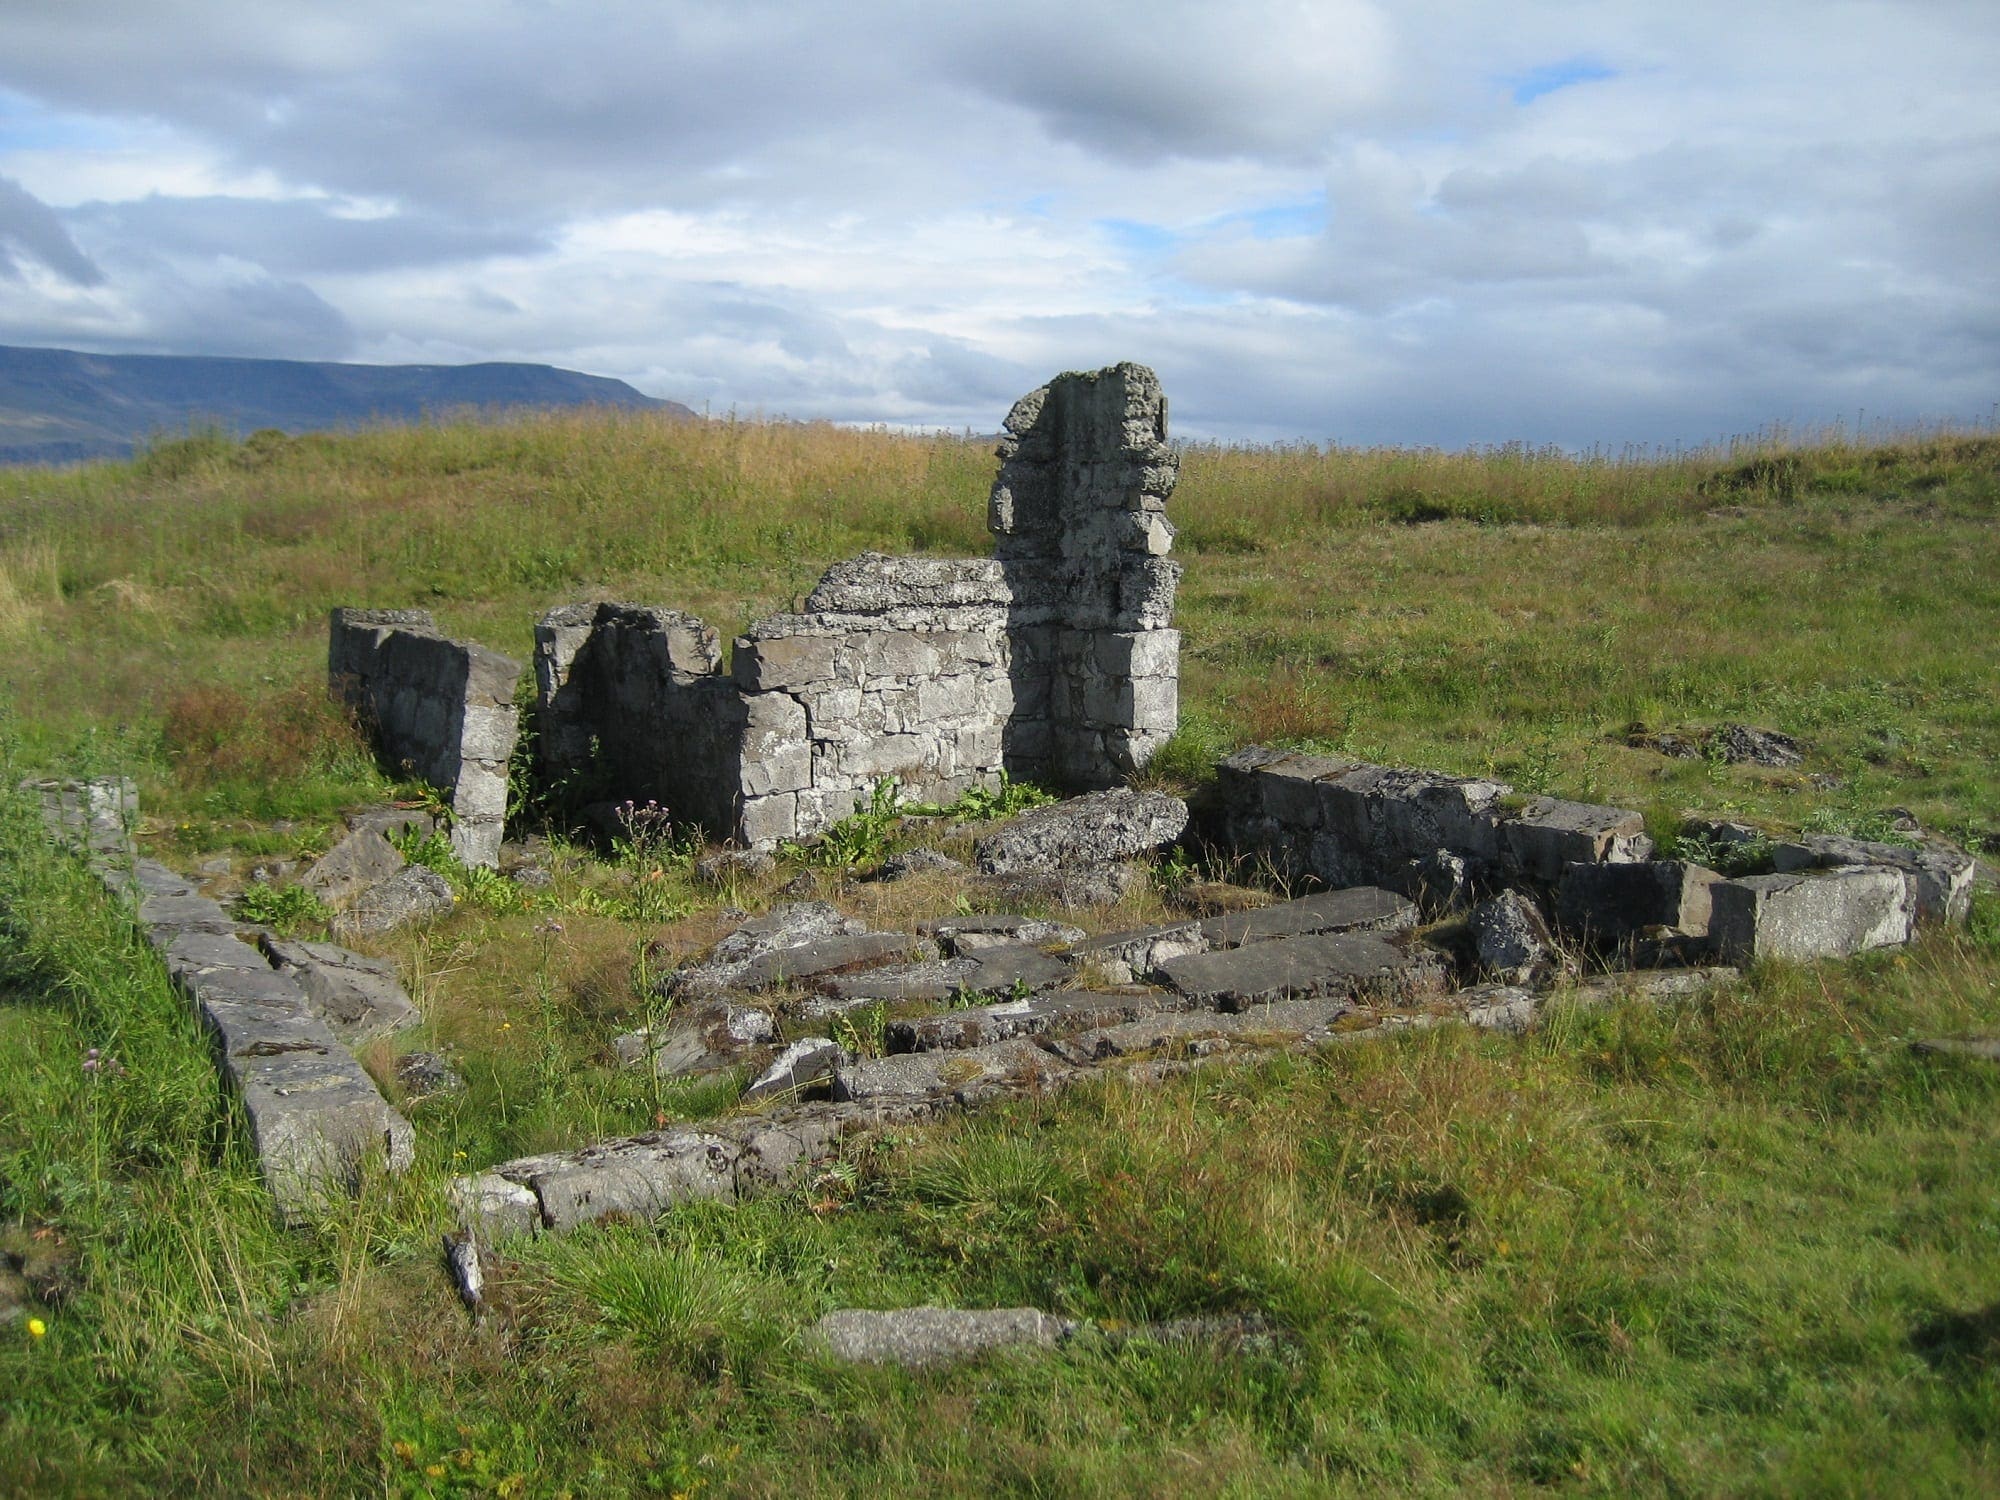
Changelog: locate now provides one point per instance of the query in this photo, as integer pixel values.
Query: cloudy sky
(1419, 221)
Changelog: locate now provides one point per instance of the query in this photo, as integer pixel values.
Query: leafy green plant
(286, 909)
(859, 839)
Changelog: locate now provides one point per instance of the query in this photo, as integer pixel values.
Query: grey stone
(640, 1178)
(806, 1064)
(1038, 1015)
(919, 1338)
(1512, 939)
(1000, 970)
(1803, 917)
(1940, 876)
(358, 997)
(362, 859)
(1138, 953)
(1739, 744)
(412, 894)
(427, 1075)
(705, 1038)
(917, 862)
(822, 958)
(965, 935)
(1347, 964)
(1357, 908)
(971, 1074)
(1100, 828)
(736, 864)
(1074, 889)
(1186, 1034)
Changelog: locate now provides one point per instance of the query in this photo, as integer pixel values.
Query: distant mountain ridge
(60, 406)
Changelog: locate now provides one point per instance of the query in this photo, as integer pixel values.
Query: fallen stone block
(919, 1338)
(1354, 909)
(412, 894)
(1804, 917)
(823, 958)
(1097, 829)
(362, 859)
(1348, 964)
(493, 1207)
(1512, 939)
(789, 924)
(1073, 889)
(1009, 969)
(1606, 904)
(359, 998)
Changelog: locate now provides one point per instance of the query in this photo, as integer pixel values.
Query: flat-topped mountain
(59, 406)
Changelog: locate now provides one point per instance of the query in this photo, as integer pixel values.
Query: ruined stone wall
(1079, 517)
(441, 708)
(1054, 660)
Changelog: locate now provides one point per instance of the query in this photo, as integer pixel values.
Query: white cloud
(1551, 220)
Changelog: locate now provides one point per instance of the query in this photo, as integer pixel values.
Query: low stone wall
(442, 709)
(315, 1115)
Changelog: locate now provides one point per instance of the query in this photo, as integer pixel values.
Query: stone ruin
(1055, 660)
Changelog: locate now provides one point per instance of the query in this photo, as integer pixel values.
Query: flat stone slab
(1061, 1011)
(822, 958)
(1138, 952)
(364, 858)
(1357, 908)
(708, 1038)
(412, 894)
(1348, 964)
(1100, 828)
(919, 1338)
(808, 1063)
(973, 1073)
(987, 971)
(1940, 876)
(967, 934)
(1806, 917)
(358, 997)
(1549, 834)
(1186, 1034)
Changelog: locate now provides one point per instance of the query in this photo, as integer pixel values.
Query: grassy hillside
(1742, 1245)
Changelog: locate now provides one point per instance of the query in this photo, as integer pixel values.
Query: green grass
(1745, 1245)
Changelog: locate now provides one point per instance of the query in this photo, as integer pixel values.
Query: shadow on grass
(1960, 1342)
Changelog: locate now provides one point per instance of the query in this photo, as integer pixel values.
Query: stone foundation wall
(440, 708)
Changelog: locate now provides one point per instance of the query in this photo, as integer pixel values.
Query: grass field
(1746, 1245)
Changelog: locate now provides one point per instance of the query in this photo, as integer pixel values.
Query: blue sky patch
(1548, 78)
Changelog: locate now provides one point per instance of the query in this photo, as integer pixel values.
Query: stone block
(1805, 917)
(1142, 653)
(1094, 829)
(919, 1338)
(639, 1178)
(357, 997)
(785, 663)
(1940, 876)
(1548, 835)
(807, 1064)
(361, 859)
(494, 1208)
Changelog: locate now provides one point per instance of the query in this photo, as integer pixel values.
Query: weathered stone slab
(641, 1178)
(1804, 917)
(709, 1038)
(1344, 963)
(1137, 953)
(362, 859)
(919, 1338)
(972, 1073)
(359, 998)
(1039, 1015)
(412, 894)
(1204, 1033)
(1354, 909)
(822, 958)
(193, 952)
(165, 915)
(1605, 904)
(493, 1207)
(961, 935)
(1073, 889)
(1100, 828)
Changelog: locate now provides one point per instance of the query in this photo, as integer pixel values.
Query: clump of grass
(30, 582)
